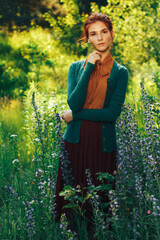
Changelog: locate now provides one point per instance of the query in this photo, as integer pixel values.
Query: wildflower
(50, 166)
(13, 135)
(30, 222)
(15, 160)
(12, 192)
(64, 161)
(37, 139)
(54, 154)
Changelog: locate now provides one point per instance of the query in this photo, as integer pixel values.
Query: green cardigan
(115, 95)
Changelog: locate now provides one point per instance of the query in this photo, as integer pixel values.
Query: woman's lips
(100, 44)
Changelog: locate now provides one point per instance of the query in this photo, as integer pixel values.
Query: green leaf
(105, 175)
(70, 206)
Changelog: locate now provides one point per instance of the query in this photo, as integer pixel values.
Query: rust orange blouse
(97, 86)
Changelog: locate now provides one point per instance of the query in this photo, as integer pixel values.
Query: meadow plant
(137, 178)
(101, 223)
(135, 201)
(64, 161)
(29, 184)
(30, 222)
(46, 175)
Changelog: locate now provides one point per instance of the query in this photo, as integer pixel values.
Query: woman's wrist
(92, 62)
(73, 115)
(90, 65)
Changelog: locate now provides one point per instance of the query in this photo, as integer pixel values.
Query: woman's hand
(94, 56)
(67, 116)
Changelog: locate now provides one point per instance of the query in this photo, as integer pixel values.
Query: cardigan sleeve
(77, 88)
(113, 110)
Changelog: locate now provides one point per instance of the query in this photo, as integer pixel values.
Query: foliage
(138, 174)
(135, 202)
(44, 56)
(28, 177)
(24, 13)
(135, 24)
(31, 56)
(13, 69)
(11, 118)
(67, 29)
(28, 174)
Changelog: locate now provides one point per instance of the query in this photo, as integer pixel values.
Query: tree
(67, 29)
(21, 12)
(136, 26)
(85, 6)
(135, 23)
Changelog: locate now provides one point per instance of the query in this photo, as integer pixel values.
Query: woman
(96, 92)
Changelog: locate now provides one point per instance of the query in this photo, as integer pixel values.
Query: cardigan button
(104, 138)
(104, 126)
(105, 149)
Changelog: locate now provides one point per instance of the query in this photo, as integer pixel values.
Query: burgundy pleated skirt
(87, 154)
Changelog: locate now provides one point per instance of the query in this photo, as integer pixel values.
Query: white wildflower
(50, 166)
(15, 160)
(13, 135)
(32, 202)
(36, 139)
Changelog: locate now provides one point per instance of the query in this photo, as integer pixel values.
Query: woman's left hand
(67, 116)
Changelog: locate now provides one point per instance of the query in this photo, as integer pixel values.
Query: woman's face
(100, 36)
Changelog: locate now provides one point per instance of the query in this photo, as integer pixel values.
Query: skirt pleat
(87, 154)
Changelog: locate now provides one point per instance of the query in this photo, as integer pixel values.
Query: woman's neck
(104, 54)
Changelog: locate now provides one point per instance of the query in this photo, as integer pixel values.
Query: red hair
(94, 17)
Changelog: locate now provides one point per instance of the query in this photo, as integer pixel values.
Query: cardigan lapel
(111, 81)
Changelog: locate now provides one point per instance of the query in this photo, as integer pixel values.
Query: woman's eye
(92, 34)
(105, 31)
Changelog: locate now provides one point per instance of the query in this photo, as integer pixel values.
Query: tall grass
(28, 170)
(11, 116)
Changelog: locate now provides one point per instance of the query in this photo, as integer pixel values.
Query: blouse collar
(105, 66)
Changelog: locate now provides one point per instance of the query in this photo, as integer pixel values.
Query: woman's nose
(99, 37)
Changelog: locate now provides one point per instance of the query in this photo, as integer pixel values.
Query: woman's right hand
(94, 56)
(67, 116)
